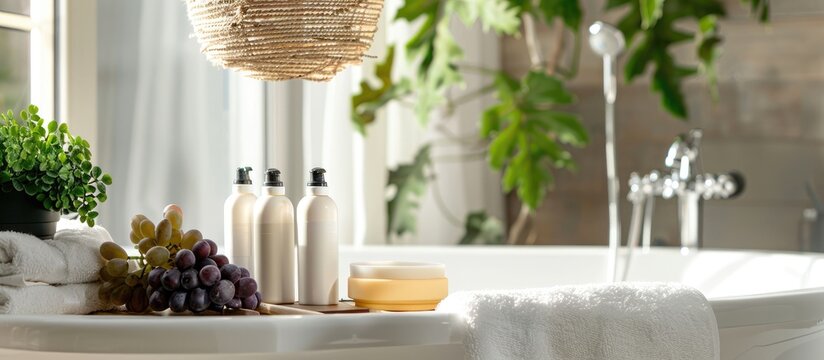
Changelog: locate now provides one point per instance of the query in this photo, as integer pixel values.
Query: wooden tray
(264, 309)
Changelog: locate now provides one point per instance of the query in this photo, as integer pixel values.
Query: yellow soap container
(397, 285)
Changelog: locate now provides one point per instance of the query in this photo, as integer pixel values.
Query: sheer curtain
(173, 127)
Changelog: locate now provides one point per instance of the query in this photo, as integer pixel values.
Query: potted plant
(45, 172)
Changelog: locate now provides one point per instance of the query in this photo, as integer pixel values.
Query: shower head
(605, 39)
(608, 42)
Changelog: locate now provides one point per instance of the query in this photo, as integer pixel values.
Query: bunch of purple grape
(201, 280)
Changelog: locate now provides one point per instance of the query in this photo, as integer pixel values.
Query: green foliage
(707, 50)
(649, 27)
(50, 164)
(523, 128)
(482, 229)
(366, 103)
(651, 11)
(434, 51)
(569, 11)
(409, 182)
(493, 14)
(439, 74)
(655, 21)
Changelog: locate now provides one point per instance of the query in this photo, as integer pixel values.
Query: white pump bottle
(237, 220)
(274, 242)
(317, 244)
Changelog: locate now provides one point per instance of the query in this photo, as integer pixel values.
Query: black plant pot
(22, 213)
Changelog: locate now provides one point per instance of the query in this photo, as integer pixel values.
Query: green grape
(175, 217)
(121, 294)
(163, 232)
(117, 281)
(117, 267)
(147, 228)
(172, 207)
(110, 250)
(103, 294)
(157, 256)
(134, 237)
(132, 279)
(104, 275)
(177, 237)
(190, 238)
(144, 245)
(110, 285)
(135, 223)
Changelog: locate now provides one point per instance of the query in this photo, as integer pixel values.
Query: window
(171, 128)
(27, 45)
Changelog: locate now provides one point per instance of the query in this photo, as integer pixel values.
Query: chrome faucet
(684, 180)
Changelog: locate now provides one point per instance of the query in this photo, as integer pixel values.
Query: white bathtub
(768, 306)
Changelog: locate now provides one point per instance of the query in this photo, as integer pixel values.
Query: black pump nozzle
(242, 176)
(317, 177)
(272, 177)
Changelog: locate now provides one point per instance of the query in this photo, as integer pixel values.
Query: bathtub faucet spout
(684, 180)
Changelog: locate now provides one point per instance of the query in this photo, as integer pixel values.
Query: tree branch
(519, 225)
(533, 48)
(532, 237)
(557, 47)
(469, 96)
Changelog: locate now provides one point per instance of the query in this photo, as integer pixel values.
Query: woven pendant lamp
(285, 39)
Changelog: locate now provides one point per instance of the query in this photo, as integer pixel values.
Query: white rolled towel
(72, 257)
(629, 321)
(39, 298)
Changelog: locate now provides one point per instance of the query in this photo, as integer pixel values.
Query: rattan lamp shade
(285, 39)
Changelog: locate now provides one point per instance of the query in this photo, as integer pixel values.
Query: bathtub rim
(805, 304)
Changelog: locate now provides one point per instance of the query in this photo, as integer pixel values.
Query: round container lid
(397, 270)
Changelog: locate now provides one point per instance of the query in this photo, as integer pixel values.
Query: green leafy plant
(409, 183)
(517, 128)
(50, 164)
(526, 132)
(482, 229)
(366, 103)
(650, 29)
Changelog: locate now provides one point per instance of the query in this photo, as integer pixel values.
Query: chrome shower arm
(607, 41)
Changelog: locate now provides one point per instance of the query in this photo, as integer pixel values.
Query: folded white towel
(72, 257)
(78, 299)
(608, 321)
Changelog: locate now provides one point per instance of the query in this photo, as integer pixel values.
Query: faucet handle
(722, 186)
(683, 153)
(693, 138)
